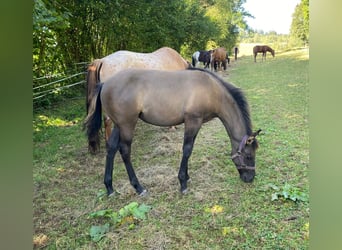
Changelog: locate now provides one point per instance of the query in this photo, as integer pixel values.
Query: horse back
(219, 54)
(170, 59)
(204, 56)
(256, 49)
(160, 97)
(164, 58)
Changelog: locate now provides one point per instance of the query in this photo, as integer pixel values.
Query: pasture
(219, 211)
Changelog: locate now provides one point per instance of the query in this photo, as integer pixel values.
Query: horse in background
(168, 98)
(236, 51)
(262, 49)
(100, 70)
(201, 56)
(219, 58)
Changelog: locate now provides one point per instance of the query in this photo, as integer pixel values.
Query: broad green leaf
(285, 194)
(274, 196)
(144, 208)
(140, 212)
(102, 213)
(132, 205)
(274, 187)
(98, 232)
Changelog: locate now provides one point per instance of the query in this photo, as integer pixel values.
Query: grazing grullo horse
(201, 56)
(262, 49)
(166, 98)
(219, 56)
(100, 70)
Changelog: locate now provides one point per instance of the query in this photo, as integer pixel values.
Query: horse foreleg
(263, 56)
(112, 148)
(206, 65)
(224, 65)
(190, 133)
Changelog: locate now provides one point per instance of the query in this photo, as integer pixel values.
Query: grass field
(219, 212)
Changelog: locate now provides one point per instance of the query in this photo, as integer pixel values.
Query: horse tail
(93, 77)
(93, 121)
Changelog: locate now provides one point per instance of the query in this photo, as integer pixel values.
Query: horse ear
(252, 137)
(256, 133)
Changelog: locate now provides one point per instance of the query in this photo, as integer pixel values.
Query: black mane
(238, 96)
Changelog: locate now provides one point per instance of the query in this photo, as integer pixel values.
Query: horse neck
(234, 123)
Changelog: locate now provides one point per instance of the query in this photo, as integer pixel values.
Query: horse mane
(238, 96)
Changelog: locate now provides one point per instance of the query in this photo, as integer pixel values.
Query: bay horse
(100, 70)
(201, 56)
(166, 98)
(219, 56)
(262, 49)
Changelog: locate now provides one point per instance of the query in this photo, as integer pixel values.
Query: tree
(300, 22)
(71, 31)
(47, 21)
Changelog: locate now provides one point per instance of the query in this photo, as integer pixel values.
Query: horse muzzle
(247, 176)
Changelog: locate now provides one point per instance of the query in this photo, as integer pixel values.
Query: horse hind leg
(126, 136)
(108, 127)
(112, 147)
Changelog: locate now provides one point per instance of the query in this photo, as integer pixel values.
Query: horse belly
(162, 112)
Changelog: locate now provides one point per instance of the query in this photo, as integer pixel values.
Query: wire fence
(52, 86)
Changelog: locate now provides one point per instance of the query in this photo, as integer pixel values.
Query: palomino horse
(100, 70)
(166, 98)
(262, 49)
(201, 56)
(219, 56)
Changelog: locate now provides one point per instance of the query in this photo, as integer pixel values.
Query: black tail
(93, 121)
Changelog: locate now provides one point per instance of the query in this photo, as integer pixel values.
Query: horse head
(244, 158)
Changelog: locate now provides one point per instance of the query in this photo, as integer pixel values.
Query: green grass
(220, 211)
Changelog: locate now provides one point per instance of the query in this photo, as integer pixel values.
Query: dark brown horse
(102, 69)
(262, 49)
(167, 98)
(219, 57)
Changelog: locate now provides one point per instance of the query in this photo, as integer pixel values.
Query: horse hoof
(144, 193)
(185, 191)
(114, 193)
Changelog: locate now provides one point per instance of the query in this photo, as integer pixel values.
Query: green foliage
(300, 22)
(131, 214)
(98, 232)
(66, 32)
(288, 192)
(47, 22)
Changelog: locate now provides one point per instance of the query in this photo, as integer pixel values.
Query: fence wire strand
(38, 95)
